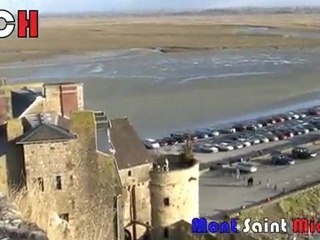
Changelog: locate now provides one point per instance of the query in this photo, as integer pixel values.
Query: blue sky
(140, 5)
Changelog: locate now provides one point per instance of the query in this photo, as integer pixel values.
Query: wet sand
(161, 93)
(179, 86)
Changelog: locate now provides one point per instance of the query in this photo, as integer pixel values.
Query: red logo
(28, 24)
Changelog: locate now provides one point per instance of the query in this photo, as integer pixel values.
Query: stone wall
(136, 199)
(88, 179)
(174, 197)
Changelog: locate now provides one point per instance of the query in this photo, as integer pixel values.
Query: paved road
(220, 191)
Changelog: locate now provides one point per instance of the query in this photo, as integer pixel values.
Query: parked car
(279, 118)
(213, 132)
(310, 127)
(282, 160)
(253, 140)
(179, 137)
(294, 115)
(223, 146)
(315, 111)
(151, 143)
(246, 167)
(167, 141)
(240, 127)
(265, 122)
(201, 134)
(246, 142)
(236, 144)
(262, 138)
(208, 148)
(279, 134)
(303, 153)
(227, 130)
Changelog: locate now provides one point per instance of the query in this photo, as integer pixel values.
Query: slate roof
(33, 120)
(130, 151)
(46, 132)
(22, 99)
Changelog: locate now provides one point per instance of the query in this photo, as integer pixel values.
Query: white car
(263, 138)
(245, 142)
(246, 167)
(151, 143)
(209, 147)
(294, 115)
(223, 146)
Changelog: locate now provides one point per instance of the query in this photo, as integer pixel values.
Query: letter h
(24, 23)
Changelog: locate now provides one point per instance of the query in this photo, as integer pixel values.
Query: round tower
(174, 191)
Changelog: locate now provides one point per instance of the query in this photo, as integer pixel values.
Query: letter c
(9, 23)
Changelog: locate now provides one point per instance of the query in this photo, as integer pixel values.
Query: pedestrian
(268, 182)
(250, 182)
(238, 173)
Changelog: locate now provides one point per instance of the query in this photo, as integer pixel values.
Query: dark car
(282, 160)
(227, 130)
(202, 133)
(240, 127)
(167, 141)
(179, 136)
(279, 134)
(303, 153)
(315, 111)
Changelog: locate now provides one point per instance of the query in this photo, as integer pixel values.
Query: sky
(55, 6)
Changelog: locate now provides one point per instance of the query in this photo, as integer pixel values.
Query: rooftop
(130, 151)
(46, 133)
(22, 99)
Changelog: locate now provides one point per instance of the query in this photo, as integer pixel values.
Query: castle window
(71, 180)
(58, 183)
(166, 232)
(40, 183)
(166, 201)
(52, 148)
(129, 173)
(64, 216)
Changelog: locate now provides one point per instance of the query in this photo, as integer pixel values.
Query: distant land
(217, 11)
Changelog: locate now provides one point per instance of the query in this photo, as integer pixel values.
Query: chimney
(5, 103)
(14, 129)
(63, 98)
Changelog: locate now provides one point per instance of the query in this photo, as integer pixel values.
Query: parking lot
(220, 190)
(223, 189)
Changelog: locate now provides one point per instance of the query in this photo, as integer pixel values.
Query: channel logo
(298, 226)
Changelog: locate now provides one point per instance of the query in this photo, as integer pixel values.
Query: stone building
(91, 165)
(62, 157)
(134, 164)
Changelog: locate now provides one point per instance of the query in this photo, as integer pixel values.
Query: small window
(64, 216)
(166, 232)
(40, 183)
(129, 173)
(166, 202)
(52, 148)
(58, 183)
(71, 180)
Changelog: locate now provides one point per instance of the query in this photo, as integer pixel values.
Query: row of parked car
(298, 153)
(246, 133)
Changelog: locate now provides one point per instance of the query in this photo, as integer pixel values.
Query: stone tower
(174, 191)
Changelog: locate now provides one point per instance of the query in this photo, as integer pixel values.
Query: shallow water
(161, 92)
